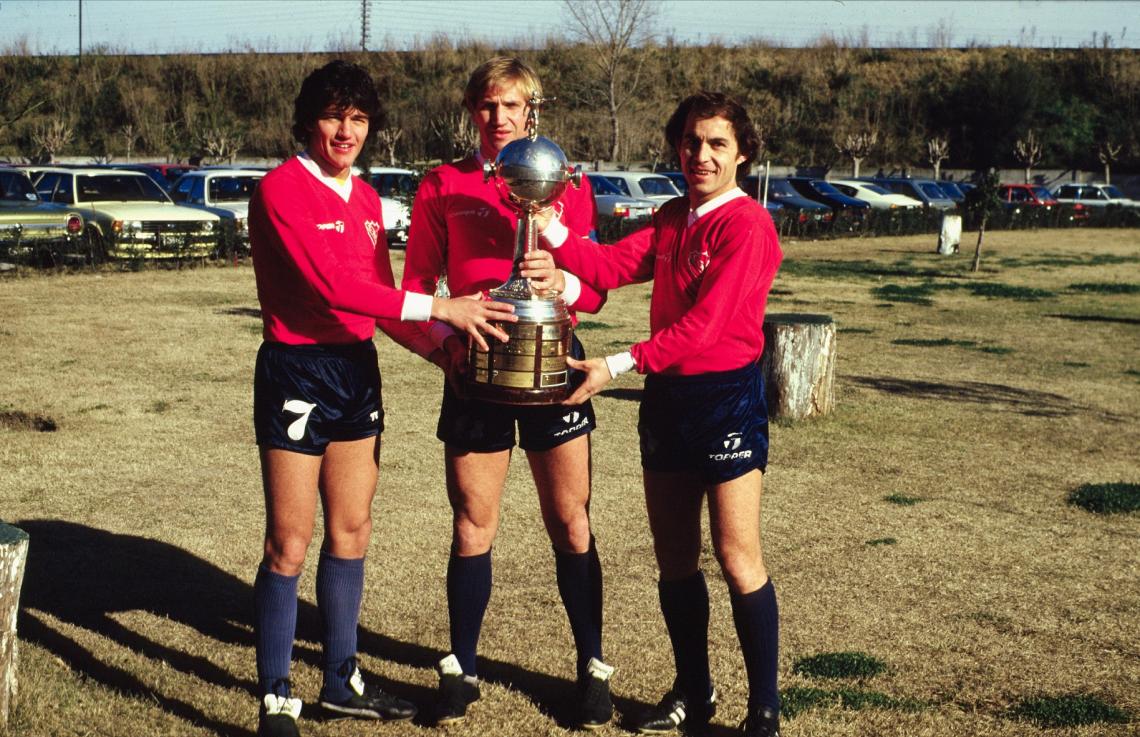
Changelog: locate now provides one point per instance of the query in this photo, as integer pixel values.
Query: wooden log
(799, 365)
(13, 554)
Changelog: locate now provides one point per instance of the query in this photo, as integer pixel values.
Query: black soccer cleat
(456, 692)
(278, 716)
(370, 703)
(762, 723)
(595, 707)
(675, 712)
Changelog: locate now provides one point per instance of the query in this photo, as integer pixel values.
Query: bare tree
(50, 138)
(130, 135)
(455, 129)
(387, 137)
(1028, 152)
(221, 144)
(856, 146)
(612, 29)
(937, 151)
(1108, 153)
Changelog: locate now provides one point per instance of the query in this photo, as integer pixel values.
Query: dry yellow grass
(145, 514)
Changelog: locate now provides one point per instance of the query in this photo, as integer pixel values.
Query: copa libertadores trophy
(530, 368)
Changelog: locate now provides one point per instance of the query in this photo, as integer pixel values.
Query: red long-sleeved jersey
(321, 263)
(710, 283)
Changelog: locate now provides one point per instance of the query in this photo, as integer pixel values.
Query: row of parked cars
(53, 214)
(165, 210)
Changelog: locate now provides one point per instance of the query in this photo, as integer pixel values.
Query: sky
(173, 26)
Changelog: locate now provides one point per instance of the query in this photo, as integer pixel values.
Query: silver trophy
(531, 174)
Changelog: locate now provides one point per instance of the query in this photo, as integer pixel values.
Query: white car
(224, 192)
(128, 215)
(1093, 195)
(610, 202)
(643, 185)
(879, 198)
(397, 219)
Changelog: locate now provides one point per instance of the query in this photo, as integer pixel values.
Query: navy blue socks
(580, 586)
(685, 606)
(758, 627)
(340, 587)
(468, 591)
(274, 626)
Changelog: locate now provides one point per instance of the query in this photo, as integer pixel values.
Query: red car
(1026, 195)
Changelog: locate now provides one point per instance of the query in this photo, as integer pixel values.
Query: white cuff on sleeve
(555, 233)
(619, 363)
(417, 307)
(573, 288)
(439, 332)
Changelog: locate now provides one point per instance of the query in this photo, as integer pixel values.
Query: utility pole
(365, 11)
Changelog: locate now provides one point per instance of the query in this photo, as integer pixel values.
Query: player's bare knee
(286, 556)
(472, 538)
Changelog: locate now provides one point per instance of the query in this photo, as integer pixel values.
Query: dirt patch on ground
(16, 420)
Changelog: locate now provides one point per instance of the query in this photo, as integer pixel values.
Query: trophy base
(530, 368)
(521, 397)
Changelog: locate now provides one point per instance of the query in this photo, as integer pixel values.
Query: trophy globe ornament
(530, 368)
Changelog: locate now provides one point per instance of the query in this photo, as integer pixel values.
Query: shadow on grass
(630, 395)
(1024, 401)
(1097, 318)
(241, 312)
(84, 576)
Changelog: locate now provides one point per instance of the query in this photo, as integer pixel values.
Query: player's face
(500, 117)
(709, 157)
(336, 138)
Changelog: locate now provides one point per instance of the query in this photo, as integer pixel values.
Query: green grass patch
(918, 294)
(1118, 498)
(882, 541)
(839, 665)
(1069, 710)
(592, 324)
(1059, 260)
(800, 699)
(1106, 288)
(159, 406)
(902, 500)
(860, 269)
(933, 342)
(1132, 372)
(993, 290)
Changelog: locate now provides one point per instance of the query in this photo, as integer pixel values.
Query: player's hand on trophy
(474, 315)
(542, 218)
(538, 267)
(597, 376)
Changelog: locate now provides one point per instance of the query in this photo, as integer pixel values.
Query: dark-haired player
(461, 226)
(703, 421)
(325, 283)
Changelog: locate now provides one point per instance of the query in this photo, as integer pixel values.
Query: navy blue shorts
(306, 396)
(485, 427)
(714, 425)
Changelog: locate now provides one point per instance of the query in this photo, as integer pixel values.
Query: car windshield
(119, 187)
(232, 189)
(658, 185)
(950, 188)
(1042, 193)
(874, 188)
(603, 185)
(825, 187)
(15, 187)
(932, 190)
(779, 188)
(1113, 192)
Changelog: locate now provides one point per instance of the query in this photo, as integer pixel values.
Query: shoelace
(275, 705)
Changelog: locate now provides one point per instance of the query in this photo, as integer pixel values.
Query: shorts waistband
(336, 350)
(712, 377)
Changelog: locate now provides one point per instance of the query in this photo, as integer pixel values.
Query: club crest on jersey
(373, 229)
(699, 260)
(337, 225)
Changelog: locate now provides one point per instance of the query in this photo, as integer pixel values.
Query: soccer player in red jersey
(461, 227)
(703, 420)
(325, 283)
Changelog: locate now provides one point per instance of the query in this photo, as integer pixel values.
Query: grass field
(933, 578)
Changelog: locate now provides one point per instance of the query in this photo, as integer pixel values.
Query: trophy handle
(576, 176)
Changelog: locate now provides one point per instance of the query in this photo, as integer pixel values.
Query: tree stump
(13, 553)
(798, 365)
